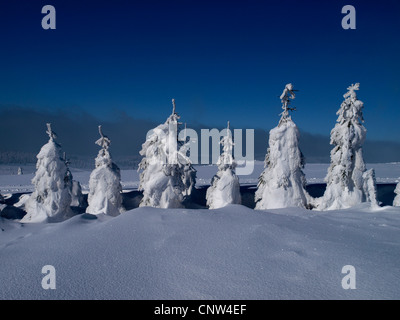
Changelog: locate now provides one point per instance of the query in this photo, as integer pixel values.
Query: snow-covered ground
(10, 182)
(229, 253)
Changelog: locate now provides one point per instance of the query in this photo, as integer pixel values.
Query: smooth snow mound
(228, 253)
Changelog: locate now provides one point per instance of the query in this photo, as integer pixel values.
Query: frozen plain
(10, 182)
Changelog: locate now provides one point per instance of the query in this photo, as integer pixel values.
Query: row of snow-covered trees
(56, 191)
(282, 183)
(167, 176)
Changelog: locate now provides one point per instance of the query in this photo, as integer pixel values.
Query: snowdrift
(229, 253)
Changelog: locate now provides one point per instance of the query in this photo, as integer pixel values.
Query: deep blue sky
(220, 60)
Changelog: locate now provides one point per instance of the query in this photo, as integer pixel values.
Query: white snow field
(230, 253)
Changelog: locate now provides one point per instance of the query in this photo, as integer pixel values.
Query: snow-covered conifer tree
(20, 172)
(51, 199)
(348, 181)
(161, 179)
(105, 182)
(225, 187)
(282, 183)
